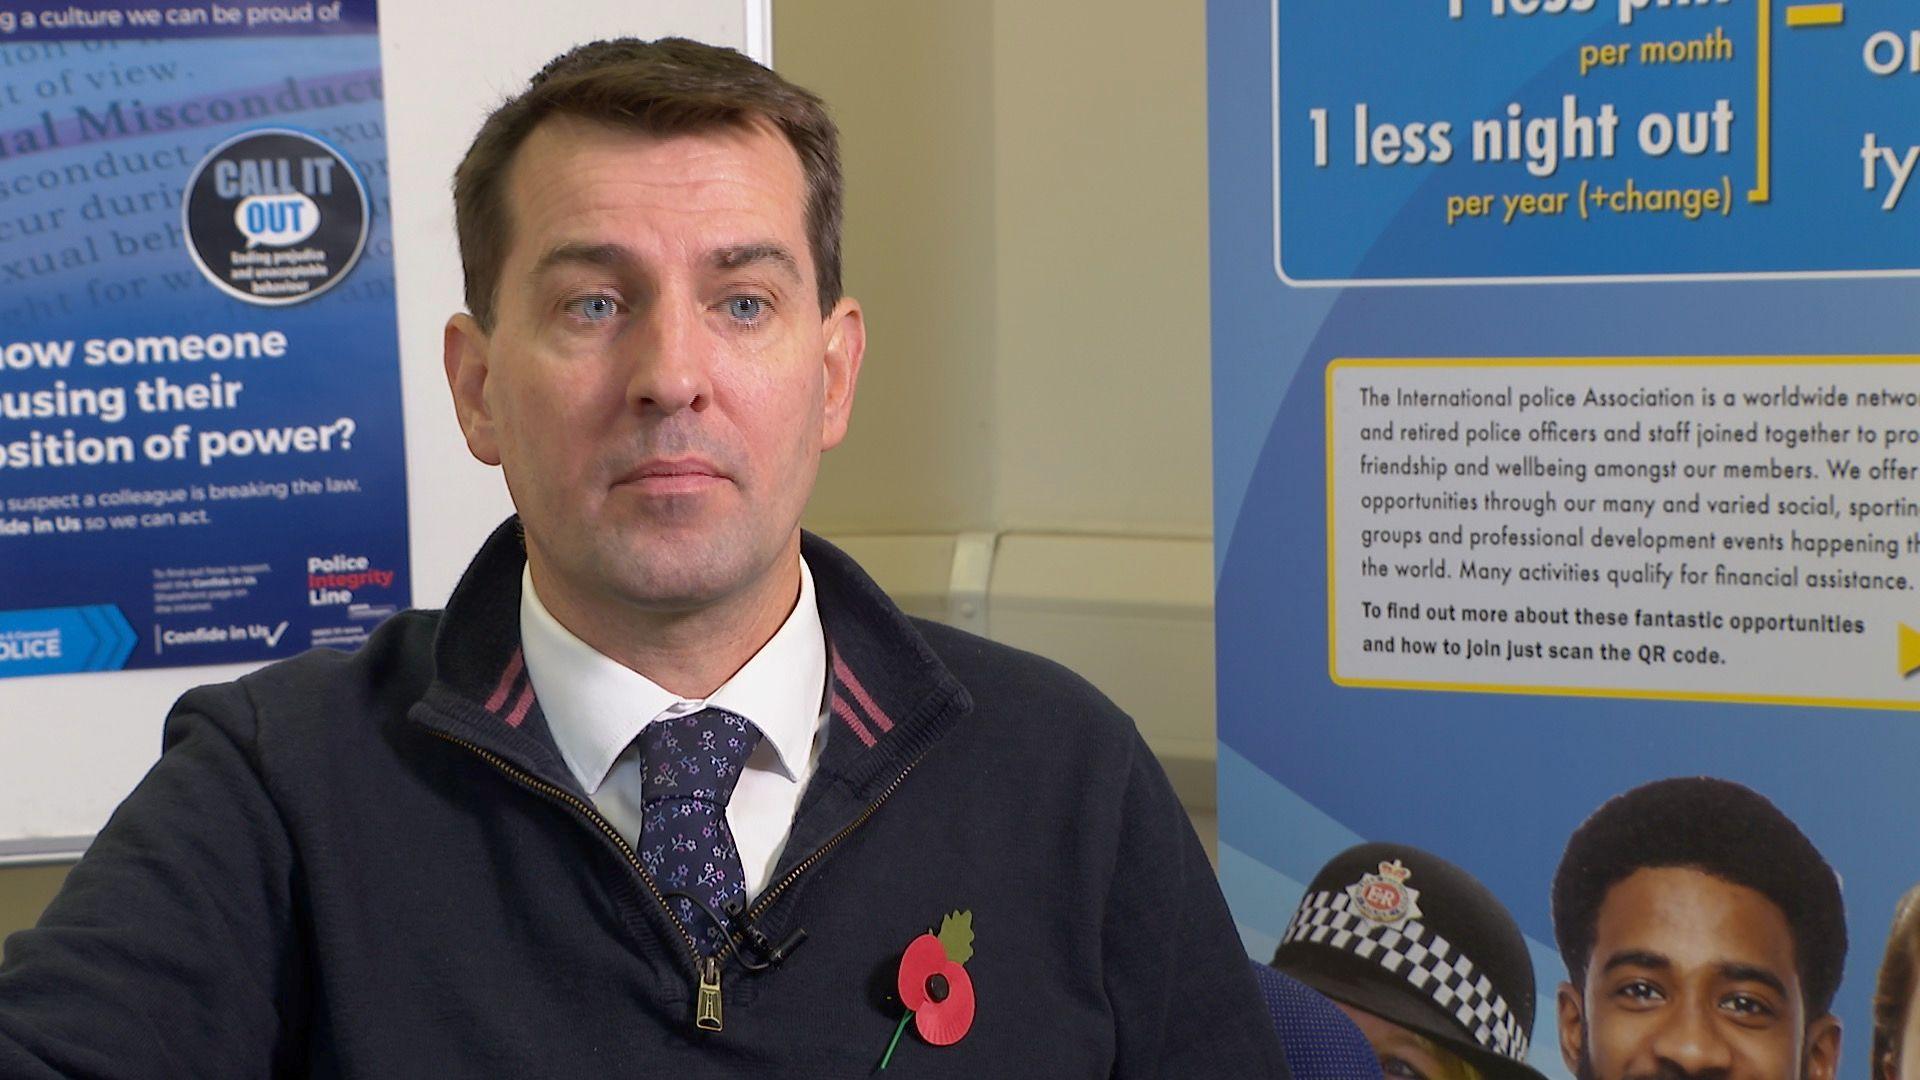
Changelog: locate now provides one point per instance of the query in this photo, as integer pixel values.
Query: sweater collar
(595, 705)
(889, 696)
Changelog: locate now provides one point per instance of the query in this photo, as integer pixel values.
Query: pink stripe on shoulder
(845, 712)
(880, 719)
(514, 667)
(520, 706)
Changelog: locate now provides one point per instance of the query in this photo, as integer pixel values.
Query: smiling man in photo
(1704, 937)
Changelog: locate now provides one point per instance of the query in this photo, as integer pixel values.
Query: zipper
(705, 968)
(772, 893)
(706, 1013)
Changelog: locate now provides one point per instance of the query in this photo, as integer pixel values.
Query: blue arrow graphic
(54, 641)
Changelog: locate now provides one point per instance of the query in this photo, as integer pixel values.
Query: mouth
(675, 476)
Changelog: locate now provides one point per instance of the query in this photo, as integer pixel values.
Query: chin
(681, 575)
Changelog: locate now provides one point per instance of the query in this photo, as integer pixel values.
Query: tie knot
(697, 756)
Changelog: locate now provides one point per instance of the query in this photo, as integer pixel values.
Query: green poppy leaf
(956, 936)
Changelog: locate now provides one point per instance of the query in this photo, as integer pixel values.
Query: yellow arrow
(1909, 650)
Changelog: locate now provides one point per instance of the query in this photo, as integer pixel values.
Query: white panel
(915, 571)
(1135, 617)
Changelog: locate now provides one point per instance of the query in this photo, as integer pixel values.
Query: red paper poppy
(939, 991)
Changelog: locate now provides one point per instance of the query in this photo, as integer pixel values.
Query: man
(1704, 937)
(1422, 958)
(668, 789)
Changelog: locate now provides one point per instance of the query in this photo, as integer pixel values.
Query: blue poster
(1566, 387)
(201, 455)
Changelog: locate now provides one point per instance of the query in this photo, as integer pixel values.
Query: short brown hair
(672, 86)
(1894, 991)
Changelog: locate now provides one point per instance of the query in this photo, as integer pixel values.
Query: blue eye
(746, 308)
(596, 308)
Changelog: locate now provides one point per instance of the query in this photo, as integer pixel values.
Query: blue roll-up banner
(201, 455)
(1567, 439)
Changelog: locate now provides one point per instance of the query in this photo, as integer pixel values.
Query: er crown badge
(1385, 897)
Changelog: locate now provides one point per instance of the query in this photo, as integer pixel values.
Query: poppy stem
(896, 1039)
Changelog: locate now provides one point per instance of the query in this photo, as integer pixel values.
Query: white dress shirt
(595, 707)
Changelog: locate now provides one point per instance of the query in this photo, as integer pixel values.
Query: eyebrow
(737, 256)
(601, 255)
(1729, 970)
(731, 257)
(1636, 958)
(1753, 973)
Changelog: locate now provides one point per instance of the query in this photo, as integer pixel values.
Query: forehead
(1695, 920)
(683, 195)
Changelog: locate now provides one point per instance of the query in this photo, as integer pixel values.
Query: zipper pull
(707, 1008)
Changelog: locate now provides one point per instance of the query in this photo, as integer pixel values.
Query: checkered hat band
(1426, 961)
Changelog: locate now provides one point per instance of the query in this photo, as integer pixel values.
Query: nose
(671, 360)
(1690, 1043)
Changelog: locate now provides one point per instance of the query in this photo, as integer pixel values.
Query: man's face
(659, 382)
(1692, 976)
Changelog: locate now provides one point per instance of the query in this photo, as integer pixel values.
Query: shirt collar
(595, 706)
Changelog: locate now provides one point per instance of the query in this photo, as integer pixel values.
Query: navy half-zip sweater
(376, 865)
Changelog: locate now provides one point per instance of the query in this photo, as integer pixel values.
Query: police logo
(1385, 897)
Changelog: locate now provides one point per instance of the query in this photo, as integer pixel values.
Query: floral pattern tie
(691, 764)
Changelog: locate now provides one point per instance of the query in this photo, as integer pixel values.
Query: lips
(673, 476)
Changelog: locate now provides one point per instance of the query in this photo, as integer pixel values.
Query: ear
(1823, 1050)
(465, 355)
(846, 334)
(1567, 1014)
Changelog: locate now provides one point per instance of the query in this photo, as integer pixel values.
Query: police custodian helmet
(1411, 938)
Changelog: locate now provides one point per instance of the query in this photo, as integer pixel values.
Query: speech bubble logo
(276, 220)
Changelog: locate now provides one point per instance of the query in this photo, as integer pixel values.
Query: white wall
(1027, 226)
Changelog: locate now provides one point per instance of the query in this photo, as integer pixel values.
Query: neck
(689, 652)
